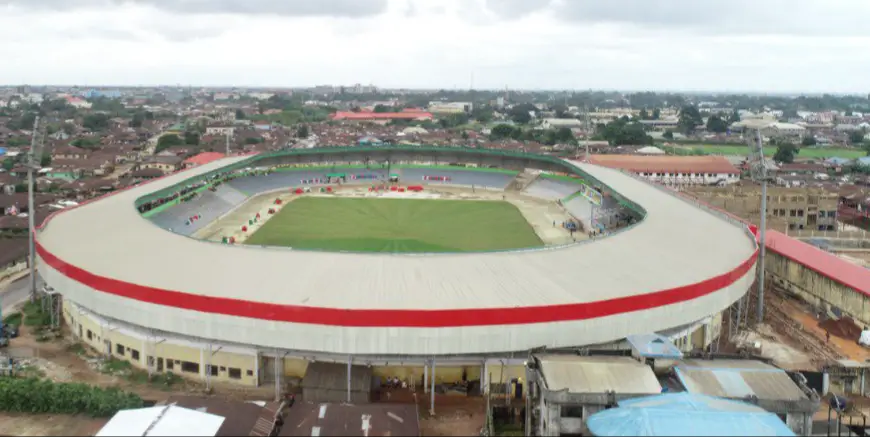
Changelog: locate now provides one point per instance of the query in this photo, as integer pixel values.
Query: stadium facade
(136, 290)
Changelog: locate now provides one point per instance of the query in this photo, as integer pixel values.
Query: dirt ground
(539, 213)
(848, 348)
(49, 424)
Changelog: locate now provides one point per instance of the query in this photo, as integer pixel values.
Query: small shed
(685, 414)
(166, 420)
(650, 150)
(328, 382)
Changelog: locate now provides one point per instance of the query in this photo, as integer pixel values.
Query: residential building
(450, 107)
(220, 130)
(787, 208)
(164, 163)
(674, 170)
(566, 389)
(558, 123)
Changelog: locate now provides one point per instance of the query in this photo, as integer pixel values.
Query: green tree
(716, 124)
(564, 135)
(668, 135)
(502, 131)
(240, 115)
(734, 117)
(808, 141)
(96, 122)
(191, 138)
(785, 152)
(656, 114)
(86, 142)
(643, 114)
(8, 163)
(302, 132)
(522, 114)
(45, 160)
(856, 137)
(166, 141)
(690, 118)
(68, 128)
(381, 109)
(464, 136)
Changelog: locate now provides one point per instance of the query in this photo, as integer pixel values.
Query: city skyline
(780, 48)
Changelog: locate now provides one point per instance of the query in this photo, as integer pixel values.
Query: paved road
(15, 293)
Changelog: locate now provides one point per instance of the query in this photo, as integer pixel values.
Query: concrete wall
(816, 289)
(177, 356)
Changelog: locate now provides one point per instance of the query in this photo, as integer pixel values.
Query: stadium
(396, 258)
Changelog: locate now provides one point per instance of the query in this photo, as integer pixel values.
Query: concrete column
(432, 393)
(484, 379)
(201, 363)
(257, 368)
(425, 378)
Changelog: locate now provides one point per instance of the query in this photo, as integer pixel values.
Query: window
(134, 354)
(800, 213)
(90, 335)
(214, 370)
(187, 366)
(250, 373)
(235, 373)
(169, 364)
(832, 214)
(119, 349)
(223, 369)
(792, 213)
(782, 212)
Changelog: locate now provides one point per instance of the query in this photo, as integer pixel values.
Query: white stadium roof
(357, 303)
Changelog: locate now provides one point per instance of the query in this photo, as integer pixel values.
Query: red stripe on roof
(392, 317)
(821, 262)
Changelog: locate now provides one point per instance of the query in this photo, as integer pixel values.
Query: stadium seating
(253, 185)
(551, 189)
(209, 205)
(498, 181)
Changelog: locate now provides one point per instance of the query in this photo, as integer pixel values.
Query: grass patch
(34, 316)
(13, 319)
(397, 225)
(77, 348)
(124, 369)
(805, 152)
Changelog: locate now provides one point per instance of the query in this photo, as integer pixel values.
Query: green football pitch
(397, 225)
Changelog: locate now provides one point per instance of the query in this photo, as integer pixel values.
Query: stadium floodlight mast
(758, 168)
(34, 164)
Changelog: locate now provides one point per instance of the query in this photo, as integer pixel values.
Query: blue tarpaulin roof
(654, 346)
(684, 414)
(2, 151)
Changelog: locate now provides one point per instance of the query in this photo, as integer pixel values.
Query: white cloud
(421, 43)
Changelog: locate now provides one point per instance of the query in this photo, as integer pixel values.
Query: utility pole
(34, 161)
(759, 173)
(228, 144)
(586, 116)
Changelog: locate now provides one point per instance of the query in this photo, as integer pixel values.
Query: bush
(44, 396)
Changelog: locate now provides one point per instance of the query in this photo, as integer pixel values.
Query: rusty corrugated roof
(306, 419)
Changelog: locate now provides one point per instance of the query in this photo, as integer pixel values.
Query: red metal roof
(204, 158)
(823, 263)
(666, 164)
(341, 115)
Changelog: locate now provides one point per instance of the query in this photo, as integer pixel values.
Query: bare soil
(49, 425)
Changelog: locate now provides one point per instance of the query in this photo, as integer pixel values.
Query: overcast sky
(715, 45)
